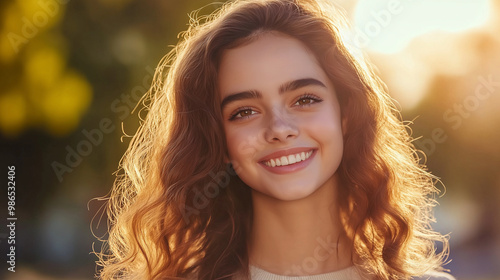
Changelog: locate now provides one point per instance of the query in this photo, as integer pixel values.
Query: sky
(389, 26)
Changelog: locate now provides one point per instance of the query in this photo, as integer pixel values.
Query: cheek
(242, 143)
(327, 127)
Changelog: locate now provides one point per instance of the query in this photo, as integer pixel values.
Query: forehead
(268, 61)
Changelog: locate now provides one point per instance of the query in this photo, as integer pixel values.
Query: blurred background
(71, 73)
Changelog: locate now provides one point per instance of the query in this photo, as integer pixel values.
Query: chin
(288, 194)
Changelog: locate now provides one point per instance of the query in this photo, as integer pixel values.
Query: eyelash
(239, 111)
(314, 99)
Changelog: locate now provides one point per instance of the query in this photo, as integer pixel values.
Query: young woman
(270, 151)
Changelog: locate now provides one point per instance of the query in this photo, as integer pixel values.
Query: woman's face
(281, 117)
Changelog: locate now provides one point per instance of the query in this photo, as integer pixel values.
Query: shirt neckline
(345, 273)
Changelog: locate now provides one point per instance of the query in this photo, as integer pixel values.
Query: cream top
(349, 273)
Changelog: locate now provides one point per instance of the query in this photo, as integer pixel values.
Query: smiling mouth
(287, 160)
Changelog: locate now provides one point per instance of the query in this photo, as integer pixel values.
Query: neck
(300, 237)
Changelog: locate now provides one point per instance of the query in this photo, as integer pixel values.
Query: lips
(287, 157)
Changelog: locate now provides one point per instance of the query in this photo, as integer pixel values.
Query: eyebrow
(286, 87)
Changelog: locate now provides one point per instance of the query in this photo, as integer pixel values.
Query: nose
(281, 127)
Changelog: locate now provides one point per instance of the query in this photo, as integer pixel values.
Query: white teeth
(291, 159)
(284, 160)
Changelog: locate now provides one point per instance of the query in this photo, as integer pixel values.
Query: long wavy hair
(177, 211)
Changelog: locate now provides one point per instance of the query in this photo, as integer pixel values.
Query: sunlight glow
(387, 26)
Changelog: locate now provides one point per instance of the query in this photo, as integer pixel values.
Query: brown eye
(242, 114)
(304, 101)
(245, 113)
(307, 100)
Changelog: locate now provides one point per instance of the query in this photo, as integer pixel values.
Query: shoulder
(435, 275)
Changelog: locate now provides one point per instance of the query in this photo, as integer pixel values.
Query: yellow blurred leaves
(25, 19)
(64, 104)
(46, 93)
(43, 67)
(10, 17)
(50, 96)
(13, 112)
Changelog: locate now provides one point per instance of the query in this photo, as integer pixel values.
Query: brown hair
(177, 211)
